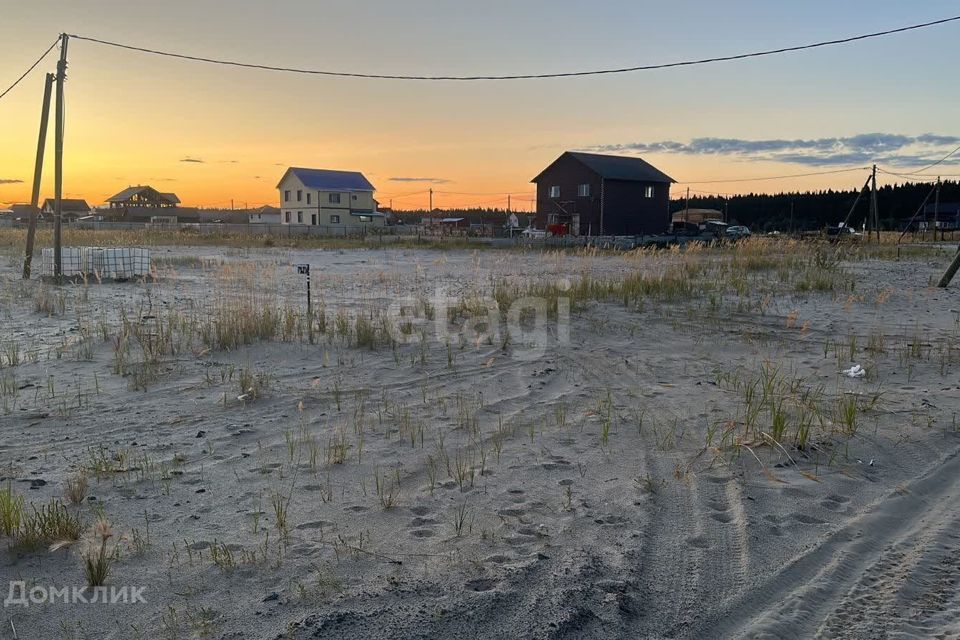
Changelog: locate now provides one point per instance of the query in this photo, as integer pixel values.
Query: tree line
(800, 211)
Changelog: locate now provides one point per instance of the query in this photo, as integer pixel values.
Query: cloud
(195, 160)
(10, 181)
(429, 180)
(885, 148)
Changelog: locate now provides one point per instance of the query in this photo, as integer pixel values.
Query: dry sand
(565, 533)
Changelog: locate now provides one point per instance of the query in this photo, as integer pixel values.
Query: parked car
(736, 232)
(841, 232)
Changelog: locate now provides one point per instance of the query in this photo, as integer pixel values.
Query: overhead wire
(795, 175)
(31, 68)
(525, 76)
(938, 162)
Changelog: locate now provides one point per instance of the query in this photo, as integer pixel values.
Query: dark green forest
(815, 209)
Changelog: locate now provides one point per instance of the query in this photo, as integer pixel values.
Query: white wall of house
(266, 218)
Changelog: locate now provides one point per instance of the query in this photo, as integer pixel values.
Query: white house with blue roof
(328, 198)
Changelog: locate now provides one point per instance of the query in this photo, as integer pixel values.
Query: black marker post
(304, 270)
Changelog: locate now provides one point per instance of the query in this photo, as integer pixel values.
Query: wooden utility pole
(874, 213)
(936, 209)
(37, 173)
(686, 211)
(431, 200)
(58, 163)
(508, 203)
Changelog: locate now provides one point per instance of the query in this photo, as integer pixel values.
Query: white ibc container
(93, 263)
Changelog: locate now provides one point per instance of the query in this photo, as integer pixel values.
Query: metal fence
(259, 229)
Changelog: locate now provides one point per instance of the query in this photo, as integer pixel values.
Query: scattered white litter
(856, 371)
(244, 397)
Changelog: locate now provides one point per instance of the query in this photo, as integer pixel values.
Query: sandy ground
(569, 495)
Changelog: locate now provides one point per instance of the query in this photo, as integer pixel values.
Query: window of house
(334, 198)
(286, 196)
(308, 197)
(286, 215)
(365, 218)
(354, 196)
(299, 195)
(299, 217)
(554, 192)
(583, 191)
(648, 192)
(334, 219)
(313, 219)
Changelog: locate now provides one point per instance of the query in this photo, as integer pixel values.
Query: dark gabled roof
(68, 204)
(329, 180)
(616, 167)
(129, 192)
(126, 194)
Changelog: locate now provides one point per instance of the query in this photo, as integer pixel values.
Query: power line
(569, 74)
(796, 175)
(32, 67)
(915, 176)
(940, 161)
(401, 195)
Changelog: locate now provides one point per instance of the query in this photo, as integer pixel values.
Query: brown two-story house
(595, 194)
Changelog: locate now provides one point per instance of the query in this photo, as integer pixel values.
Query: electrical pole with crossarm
(58, 164)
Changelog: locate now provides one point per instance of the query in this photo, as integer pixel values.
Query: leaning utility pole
(58, 164)
(37, 173)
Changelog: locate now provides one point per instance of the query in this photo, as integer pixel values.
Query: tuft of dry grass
(97, 560)
(11, 511)
(50, 523)
(75, 487)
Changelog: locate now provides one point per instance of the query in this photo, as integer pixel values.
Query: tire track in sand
(893, 569)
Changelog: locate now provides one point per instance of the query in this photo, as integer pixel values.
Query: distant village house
(265, 215)
(328, 198)
(143, 203)
(143, 196)
(70, 209)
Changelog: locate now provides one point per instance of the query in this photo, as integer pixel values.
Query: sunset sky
(212, 134)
